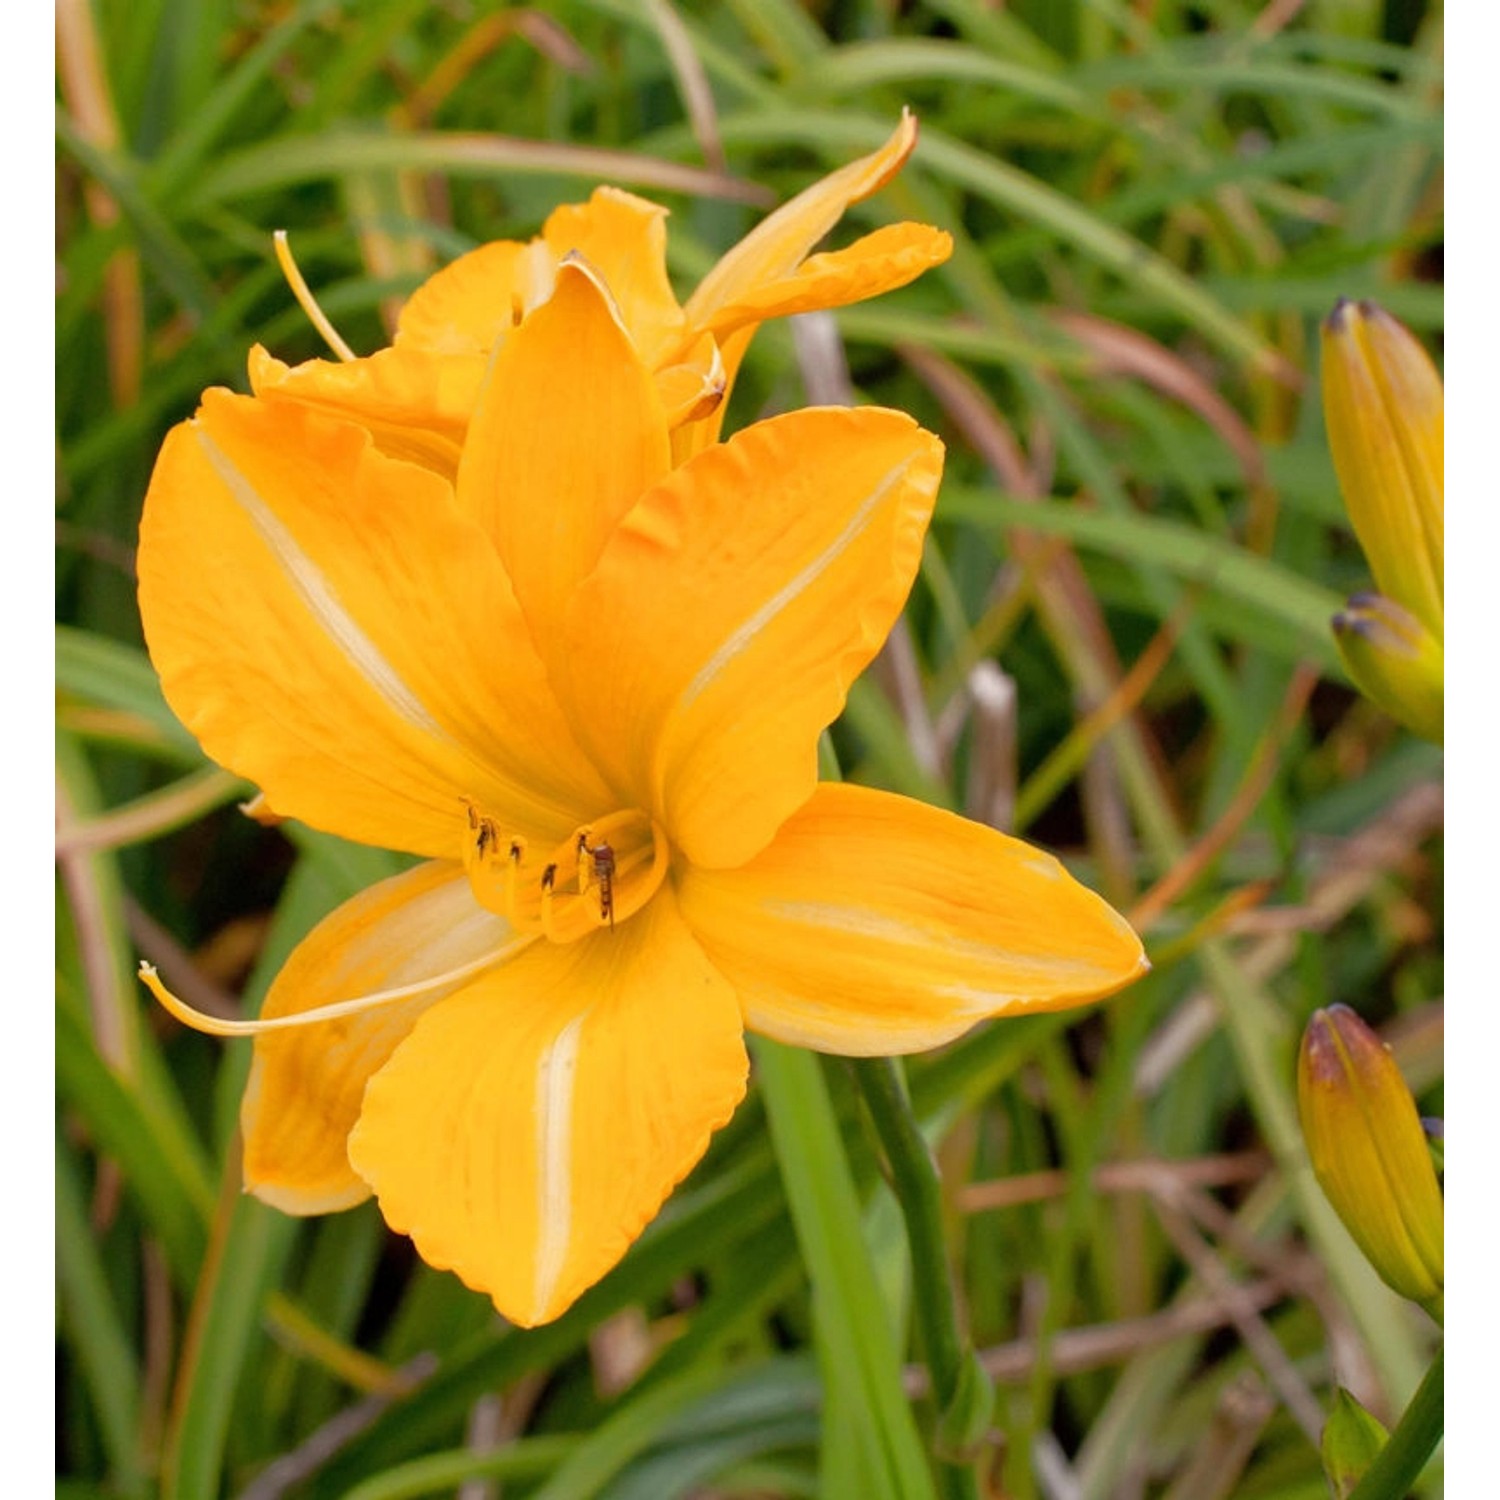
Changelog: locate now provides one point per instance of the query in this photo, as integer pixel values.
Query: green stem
(914, 1178)
(1408, 1448)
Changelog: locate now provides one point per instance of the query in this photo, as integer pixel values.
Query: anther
(581, 849)
(548, 876)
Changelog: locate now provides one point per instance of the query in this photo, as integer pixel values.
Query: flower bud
(1369, 1152)
(1394, 661)
(1383, 405)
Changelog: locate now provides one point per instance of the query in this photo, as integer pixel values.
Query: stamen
(218, 1026)
(305, 299)
(512, 884)
(600, 875)
(548, 876)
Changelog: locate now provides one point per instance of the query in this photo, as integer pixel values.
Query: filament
(512, 877)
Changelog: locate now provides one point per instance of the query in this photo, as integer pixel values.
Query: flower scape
(500, 597)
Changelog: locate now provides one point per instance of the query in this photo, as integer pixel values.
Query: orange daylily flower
(588, 687)
(417, 396)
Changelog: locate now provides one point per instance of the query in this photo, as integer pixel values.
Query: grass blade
(870, 1433)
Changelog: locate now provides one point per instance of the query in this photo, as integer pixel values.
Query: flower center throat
(600, 875)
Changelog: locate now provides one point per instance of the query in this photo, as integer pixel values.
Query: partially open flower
(1383, 403)
(416, 397)
(1370, 1154)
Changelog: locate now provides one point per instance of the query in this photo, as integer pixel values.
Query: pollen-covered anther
(601, 875)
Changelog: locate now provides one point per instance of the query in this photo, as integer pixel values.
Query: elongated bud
(1394, 661)
(1383, 405)
(1369, 1153)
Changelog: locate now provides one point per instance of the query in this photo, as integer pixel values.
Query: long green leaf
(164, 248)
(1016, 192)
(870, 1433)
(290, 161)
(528, 1458)
(1191, 554)
(163, 1171)
(627, 1432)
(107, 674)
(246, 1259)
(230, 94)
(97, 1333)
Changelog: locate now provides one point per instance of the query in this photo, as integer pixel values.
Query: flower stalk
(962, 1392)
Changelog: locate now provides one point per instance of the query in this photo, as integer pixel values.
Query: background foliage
(1117, 647)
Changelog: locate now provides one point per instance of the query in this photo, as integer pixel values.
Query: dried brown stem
(1075, 1350)
(1244, 1314)
(1212, 843)
(286, 1473)
(1117, 1177)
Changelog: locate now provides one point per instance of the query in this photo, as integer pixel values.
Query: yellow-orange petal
(873, 924)
(532, 1125)
(731, 610)
(568, 434)
(468, 306)
(1383, 405)
(770, 254)
(880, 262)
(414, 404)
(694, 387)
(419, 928)
(776, 246)
(624, 238)
(334, 630)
